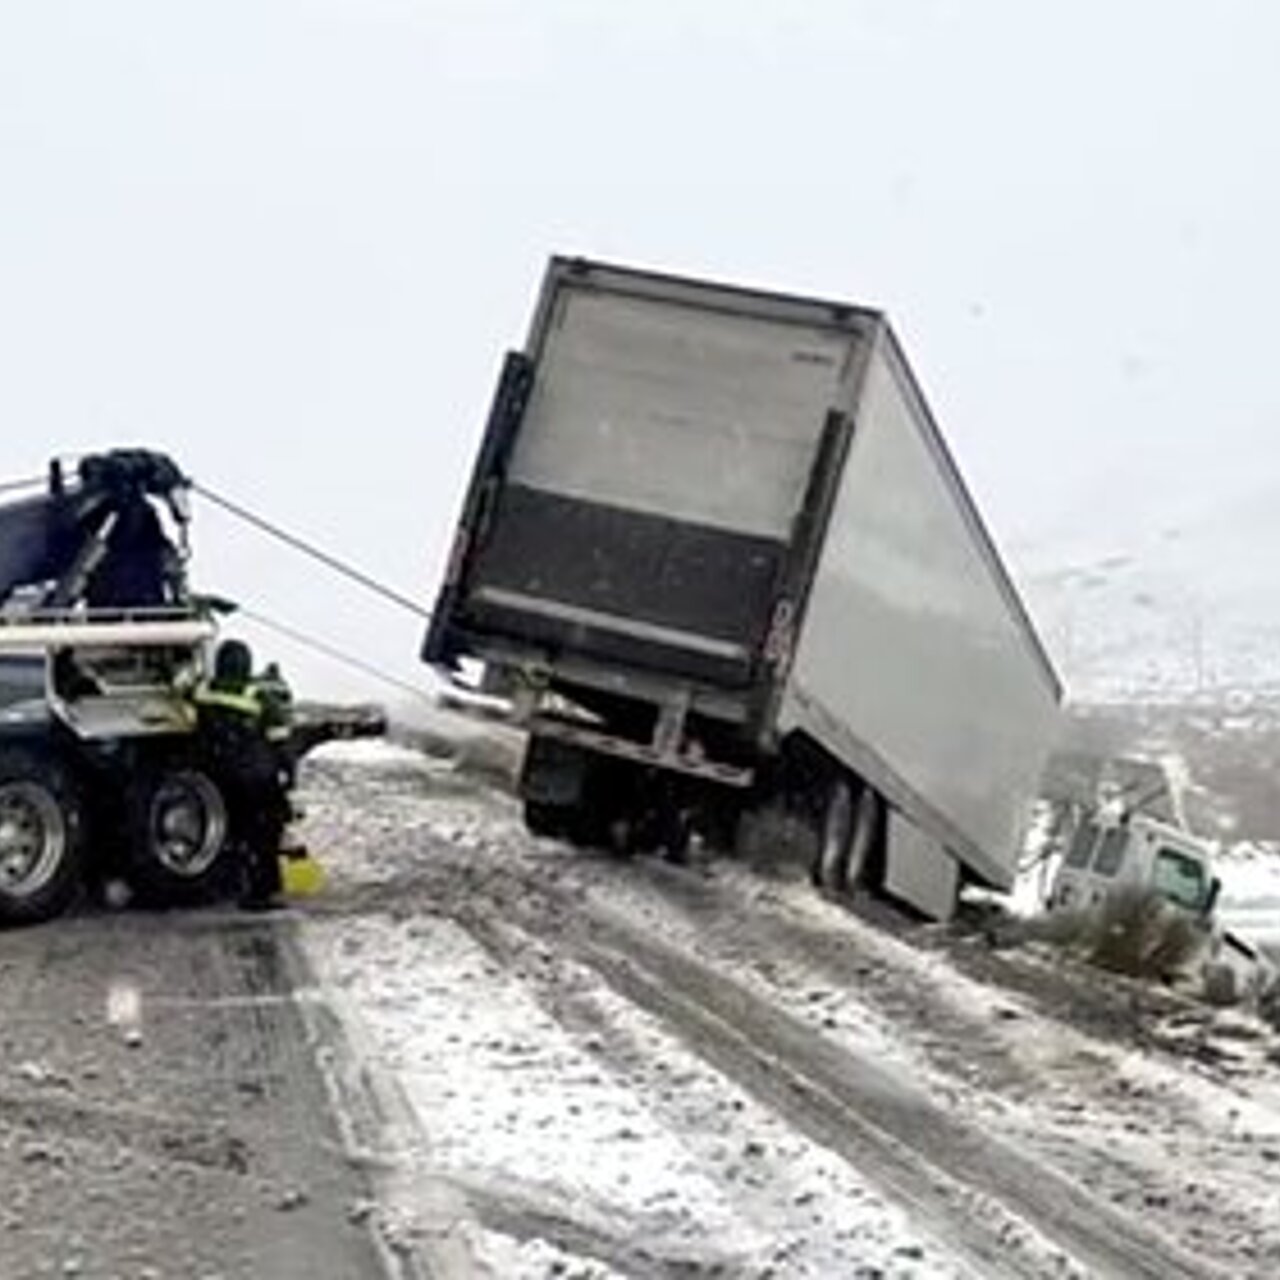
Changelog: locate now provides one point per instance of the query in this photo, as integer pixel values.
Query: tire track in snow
(952, 1175)
(1120, 1125)
(903, 1141)
(693, 1100)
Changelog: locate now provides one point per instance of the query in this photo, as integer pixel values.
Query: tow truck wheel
(179, 835)
(41, 836)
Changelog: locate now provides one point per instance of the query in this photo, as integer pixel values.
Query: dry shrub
(1134, 931)
(1221, 986)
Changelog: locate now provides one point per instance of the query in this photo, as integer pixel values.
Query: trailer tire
(42, 835)
(835, 832)
(182, 849)
(677, 834)
(862, 866)
(551, 821)
(578, 825)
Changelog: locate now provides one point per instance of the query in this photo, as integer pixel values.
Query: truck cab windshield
(1181, 879)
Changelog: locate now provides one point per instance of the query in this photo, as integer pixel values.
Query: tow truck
(104, 772)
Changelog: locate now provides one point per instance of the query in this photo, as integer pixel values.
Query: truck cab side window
(1111, 851)
(1180, 879)
(1082, 844)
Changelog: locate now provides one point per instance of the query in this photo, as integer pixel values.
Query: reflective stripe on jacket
(259, 706)
(247, 703)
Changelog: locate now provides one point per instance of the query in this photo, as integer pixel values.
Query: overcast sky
(289, 241)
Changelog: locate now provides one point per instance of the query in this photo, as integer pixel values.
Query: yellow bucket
(301, 877)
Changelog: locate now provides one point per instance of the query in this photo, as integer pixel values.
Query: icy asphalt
(162, 1110)
(478, 1054)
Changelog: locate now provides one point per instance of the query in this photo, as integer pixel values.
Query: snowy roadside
(585, 1139)
(1190, 1142)
(568, 1162)
(560, 1156)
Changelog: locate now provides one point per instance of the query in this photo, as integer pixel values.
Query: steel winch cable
(316, 553)
(331, 651)
(332, 562)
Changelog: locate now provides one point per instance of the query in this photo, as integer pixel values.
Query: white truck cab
(1134, 851)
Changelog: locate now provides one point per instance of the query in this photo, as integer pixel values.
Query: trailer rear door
(652, 490)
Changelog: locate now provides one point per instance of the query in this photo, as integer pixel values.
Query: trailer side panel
(915, 662)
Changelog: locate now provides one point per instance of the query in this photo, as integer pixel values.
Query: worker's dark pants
(250, 770)
(260, 807)
(262, 826)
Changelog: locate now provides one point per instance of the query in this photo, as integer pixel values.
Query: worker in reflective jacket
(245, 726)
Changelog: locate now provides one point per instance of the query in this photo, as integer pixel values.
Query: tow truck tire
(180, 837)
(42, 835)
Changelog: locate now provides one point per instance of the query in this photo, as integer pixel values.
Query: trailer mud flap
(919, 871)
(554, 772)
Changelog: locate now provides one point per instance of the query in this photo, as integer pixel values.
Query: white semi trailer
(717, 558)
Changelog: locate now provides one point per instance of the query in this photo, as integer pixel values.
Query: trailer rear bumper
(641, 753)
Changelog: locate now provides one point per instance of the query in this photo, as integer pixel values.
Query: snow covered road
(606, 1068)
(161, 1115)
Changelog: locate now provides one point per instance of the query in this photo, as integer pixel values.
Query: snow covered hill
(1190, 607)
